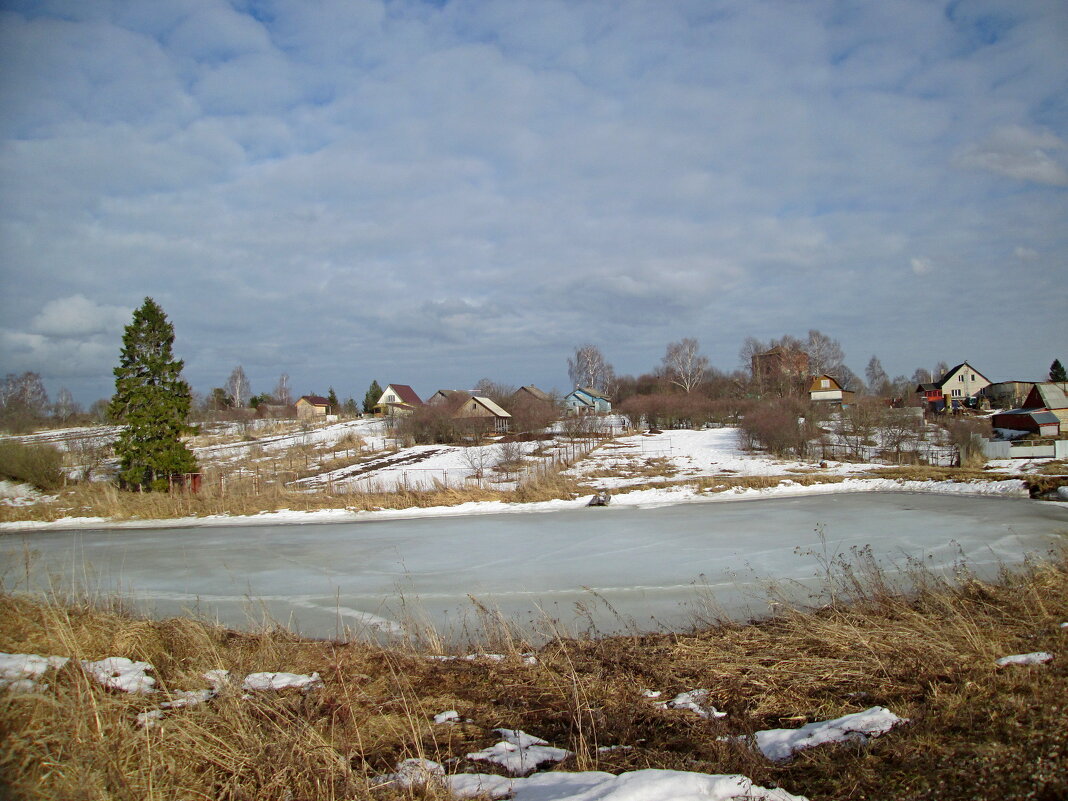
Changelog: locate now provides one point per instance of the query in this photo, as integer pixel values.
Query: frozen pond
(617, 569)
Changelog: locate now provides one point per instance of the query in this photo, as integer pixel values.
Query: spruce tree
(374, 392)
(152, 401)
(1057, 372)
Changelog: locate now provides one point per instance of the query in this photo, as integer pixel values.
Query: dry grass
(932, 473)
(975, 731)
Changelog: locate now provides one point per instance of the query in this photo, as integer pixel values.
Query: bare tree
(825, 355)
(684, 365)
(65, 406)
(238, 387)
(282, 393)
(921, 376)
(878, 380)
(588, 368)
(23, 401)
(750, 348)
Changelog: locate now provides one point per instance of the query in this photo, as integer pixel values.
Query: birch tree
(684, 365)
(825, 355)
(238, 387)
(588, 368)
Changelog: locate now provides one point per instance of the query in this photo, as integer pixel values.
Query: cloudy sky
(429, 193)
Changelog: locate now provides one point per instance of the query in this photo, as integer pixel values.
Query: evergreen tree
(374, 392)
(153, 401)
(331, 398)
(1057, 372)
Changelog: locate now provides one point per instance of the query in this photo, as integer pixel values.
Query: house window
(391, 398)
(824, 383)
(960, 377)
(956, 393)
(973, 376)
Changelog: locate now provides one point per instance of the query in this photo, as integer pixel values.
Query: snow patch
(1036, 658)
(779, 745)
(519, 752)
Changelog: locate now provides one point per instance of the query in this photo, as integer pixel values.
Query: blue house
(584, 400)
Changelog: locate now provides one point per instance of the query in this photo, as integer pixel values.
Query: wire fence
(935, 455)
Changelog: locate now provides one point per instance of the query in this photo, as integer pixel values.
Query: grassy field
(975, 731)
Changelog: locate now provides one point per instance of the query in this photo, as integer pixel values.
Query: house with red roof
(398, 400)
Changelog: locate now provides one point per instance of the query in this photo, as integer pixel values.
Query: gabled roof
(405, 394)
(534, 391)
(1050, 394)
(819, 378)
(928, 387)
(1040, 416)
(314, 400)
(941, 382)
(496, 410)
(593, 393)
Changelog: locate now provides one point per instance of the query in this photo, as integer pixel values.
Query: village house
(959, 386)
(398, 400)
(449, 397)
(826, 389)
(312, 406)
(483, 414)
(585, 400)
(531, 392)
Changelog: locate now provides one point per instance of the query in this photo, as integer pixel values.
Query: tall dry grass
(975, 731)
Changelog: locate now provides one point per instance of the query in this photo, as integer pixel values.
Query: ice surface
(615, 568)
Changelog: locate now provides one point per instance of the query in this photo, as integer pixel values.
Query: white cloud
(77, 316)
(1016, 152)
(921, 266)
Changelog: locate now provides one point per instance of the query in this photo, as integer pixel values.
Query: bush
(40, 465)
(782, 426)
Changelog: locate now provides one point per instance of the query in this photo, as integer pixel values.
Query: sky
(431, 193)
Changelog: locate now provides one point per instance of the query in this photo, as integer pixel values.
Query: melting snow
(519, 752)
(780, 744)
(282, 681)
(120, 673)
(1036, 658)
(695, 701)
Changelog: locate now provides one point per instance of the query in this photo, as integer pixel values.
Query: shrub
(782, 426)
(39, 465)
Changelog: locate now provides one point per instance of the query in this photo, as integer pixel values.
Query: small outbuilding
(1035, 421)
(312, 406)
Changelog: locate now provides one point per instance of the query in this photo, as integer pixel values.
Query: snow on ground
(681, 455)
(691, 455)
(12, 494)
